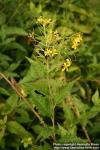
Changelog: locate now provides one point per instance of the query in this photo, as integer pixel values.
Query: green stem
(51, 99)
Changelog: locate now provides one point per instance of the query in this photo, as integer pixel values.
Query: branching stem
(17, 89)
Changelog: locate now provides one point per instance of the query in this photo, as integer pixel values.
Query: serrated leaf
(42, 103)
(36, 71)
(45, 133)
(95, 98)
(63, 92)
(40, 85)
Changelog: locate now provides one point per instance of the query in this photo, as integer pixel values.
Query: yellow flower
(66, 64)
(50, 52)
(47, 52)
(76, 40)
(43, 21)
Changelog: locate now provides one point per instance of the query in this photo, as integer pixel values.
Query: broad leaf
(63, 92)
(37, 70)
(15, 30)
(11, 104)
(17, 129)
(42, 103)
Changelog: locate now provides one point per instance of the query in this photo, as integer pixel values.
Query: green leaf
(95, 98)
(63, 92)
(8, 41)
(75, 8)
(83, 119)
(83, 28)
(69, 115)
(37, 70)
(13, 66)
(94, 111)
(82, 107)
(15, 128)
(4, 57)
(42, 103)
(22, 116)
(62, 130)
(15, 30)
(95, 128)
(14, 46)
(11, 104)
(2, 18)
(4, 91)
(2, 127)
(2, 33)
(45, 133)
(40, 85)
(74, 68)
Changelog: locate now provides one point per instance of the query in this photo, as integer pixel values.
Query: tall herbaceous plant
(48, 84)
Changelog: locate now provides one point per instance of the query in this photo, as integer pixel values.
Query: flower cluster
(50, 52)
(66, 65)
(76, 40)
(43, 21)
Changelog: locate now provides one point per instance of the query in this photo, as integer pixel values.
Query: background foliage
(28, 120)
